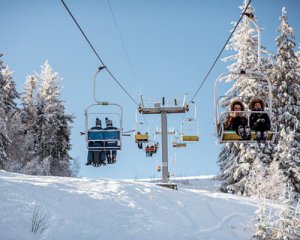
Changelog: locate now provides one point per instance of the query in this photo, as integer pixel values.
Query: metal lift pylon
(163, 110)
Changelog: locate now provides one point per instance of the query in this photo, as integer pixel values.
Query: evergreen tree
(236, 160)
(16, 150)
(284, 224)
(4, 139)
(29, 117)
(286, 81)
(9, 116)
(266, 182)
(53, 143)
(287, 224)
(29, 102)
(263, 228)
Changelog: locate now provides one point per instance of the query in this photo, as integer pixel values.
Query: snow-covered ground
(85, 209)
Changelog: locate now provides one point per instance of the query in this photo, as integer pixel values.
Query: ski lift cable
(126, 52)
(217, 58)
(97, 55)
(124, 46)
(145, 120)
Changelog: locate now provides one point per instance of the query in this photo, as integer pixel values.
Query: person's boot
(264, 135)
(241, 132)
(88, 163)
(248, 133)
(258, 136)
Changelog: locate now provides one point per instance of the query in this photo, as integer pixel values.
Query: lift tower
(163, 109)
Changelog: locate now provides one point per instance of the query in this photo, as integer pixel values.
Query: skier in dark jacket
(237, 122)
(96, 158)
(259, 122)
(111, 156)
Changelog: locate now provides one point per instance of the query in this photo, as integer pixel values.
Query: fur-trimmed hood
(237, 102)
(257, 100)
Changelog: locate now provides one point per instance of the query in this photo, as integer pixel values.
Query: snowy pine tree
(266, 182)
(284, 224)
(286, 81)
(52, 140)
(29, 102)
(4, 138)
(29, 118)
(263, 227)
(9, 120)
(287, 224)
(236, 160)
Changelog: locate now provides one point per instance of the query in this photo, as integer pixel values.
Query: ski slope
(85, 209)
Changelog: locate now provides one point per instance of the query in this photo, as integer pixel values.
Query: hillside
(85, 209)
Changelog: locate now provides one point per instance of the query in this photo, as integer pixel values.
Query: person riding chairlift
(147, 151)
(110, 155)
(237, 122)
(259, 122)
(140, 145)
(92, 155)
(151, 150)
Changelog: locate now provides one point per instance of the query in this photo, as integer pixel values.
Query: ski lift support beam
(163, 111)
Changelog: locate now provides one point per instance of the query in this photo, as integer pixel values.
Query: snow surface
(86, 209)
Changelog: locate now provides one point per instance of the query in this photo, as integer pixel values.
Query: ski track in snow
(85, 209)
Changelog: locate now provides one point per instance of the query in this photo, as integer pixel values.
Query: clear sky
(171, 44)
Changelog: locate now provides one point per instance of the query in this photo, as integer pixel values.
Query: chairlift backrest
(108, 135)
(256, 74)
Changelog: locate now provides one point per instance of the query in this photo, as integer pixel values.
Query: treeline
(35, 133)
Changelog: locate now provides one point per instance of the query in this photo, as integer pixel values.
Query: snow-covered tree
(263, 227)
(287, 223)
(9, 116)
(286, 81)
(236, 160)
(4, 139)
(16, 150)
(284, 224)
(29, 116)
(266, 182)
(52, 140)
(29, 101)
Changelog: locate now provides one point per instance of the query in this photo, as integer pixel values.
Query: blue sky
(171, 44)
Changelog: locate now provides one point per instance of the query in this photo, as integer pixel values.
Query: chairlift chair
(177, 143)
(141, 135)
(173, 162)
(141, 138)
(152, 149)
(190, 128)
(231, 136)
(103, 139)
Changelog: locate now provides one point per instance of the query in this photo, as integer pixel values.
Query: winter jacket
(260, 122)
(233, 123)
